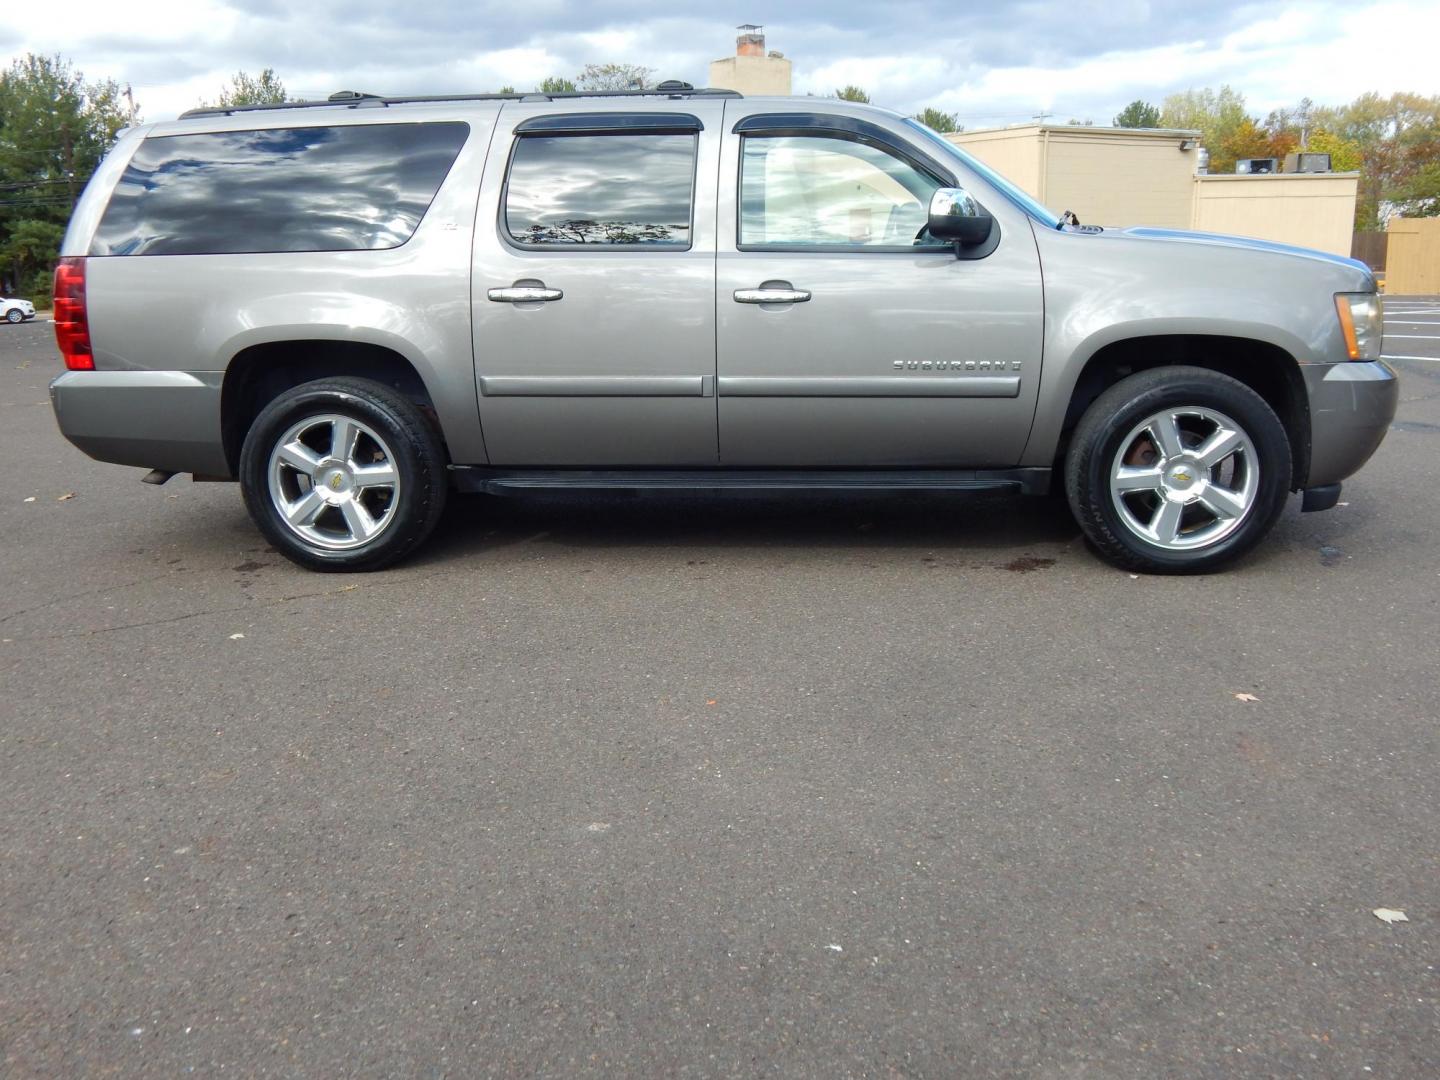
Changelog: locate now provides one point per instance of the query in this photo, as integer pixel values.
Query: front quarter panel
(1105, 288)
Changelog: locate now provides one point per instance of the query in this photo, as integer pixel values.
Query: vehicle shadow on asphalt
(474, 524)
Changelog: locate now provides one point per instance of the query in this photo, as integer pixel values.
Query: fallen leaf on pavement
(30, 499)
(1390, 915)
(1246, 697)
(67, 495)
(236, 637)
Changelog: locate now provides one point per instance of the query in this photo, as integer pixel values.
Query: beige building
(1146, 176)
(1108, 176)
(1314, 210)
(752, 71)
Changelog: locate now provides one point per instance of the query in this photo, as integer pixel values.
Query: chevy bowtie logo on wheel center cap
(337, 481)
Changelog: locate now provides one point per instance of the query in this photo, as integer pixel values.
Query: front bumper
(1351, 406)
(166, 420)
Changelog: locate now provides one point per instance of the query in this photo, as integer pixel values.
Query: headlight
(1363, 323)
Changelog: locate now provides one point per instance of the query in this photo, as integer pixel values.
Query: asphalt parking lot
(686, 787)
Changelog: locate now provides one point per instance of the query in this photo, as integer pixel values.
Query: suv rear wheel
(1177, 470)
(343, 474)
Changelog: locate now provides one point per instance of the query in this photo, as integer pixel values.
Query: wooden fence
(1413, 257)
(1369, 248)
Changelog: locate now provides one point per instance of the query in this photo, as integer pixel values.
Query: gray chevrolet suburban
(355, 306)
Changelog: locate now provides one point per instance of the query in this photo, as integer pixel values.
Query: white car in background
(16, 311)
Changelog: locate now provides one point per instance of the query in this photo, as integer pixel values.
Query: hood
(1185, 236)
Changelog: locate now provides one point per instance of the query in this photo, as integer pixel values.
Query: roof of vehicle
(354, 99)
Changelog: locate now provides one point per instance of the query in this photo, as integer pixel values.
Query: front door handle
(772, 292)
(524, 292)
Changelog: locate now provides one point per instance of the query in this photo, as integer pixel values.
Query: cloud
(995, 62)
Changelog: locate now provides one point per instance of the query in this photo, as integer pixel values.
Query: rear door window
(601, 191)
(344, 188)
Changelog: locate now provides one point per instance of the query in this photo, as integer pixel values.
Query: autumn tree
(1398, 140)
(1345, 156)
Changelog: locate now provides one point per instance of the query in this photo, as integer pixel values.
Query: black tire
(14, 315)
(1111, 421)
(410, 444)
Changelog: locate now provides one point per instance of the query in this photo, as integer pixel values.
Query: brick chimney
(752, 71)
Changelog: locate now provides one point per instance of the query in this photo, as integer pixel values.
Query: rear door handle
(531, 293)
(772, 292)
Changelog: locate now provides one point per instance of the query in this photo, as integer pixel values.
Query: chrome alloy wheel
(1185, 478)
(333, 481)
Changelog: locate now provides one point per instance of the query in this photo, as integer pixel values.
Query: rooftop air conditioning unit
(1307, 162)
(1254, 165)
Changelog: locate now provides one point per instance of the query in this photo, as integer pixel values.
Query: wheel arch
(1264, 366)
(259, 373)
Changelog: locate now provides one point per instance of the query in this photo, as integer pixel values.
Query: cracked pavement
(681, 786)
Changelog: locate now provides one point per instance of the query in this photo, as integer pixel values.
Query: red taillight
(72, 327)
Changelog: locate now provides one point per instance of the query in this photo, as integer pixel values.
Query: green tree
(1418, 195)
(54, 129)
(246, 89)
(556, 85)
(943, 122)
(1138, 114)
(598, 77)
(853, 93)
(1219, 116)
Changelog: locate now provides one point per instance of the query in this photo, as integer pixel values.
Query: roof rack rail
(352, 99)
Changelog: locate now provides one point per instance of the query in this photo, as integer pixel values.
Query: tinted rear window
(601, 190)
(348, 188)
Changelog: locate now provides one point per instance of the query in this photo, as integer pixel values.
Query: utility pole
(130, 97)
(1041, 117)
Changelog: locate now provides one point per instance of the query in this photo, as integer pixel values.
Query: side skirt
(506, 481)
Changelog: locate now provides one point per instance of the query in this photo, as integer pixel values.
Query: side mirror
(956, 216)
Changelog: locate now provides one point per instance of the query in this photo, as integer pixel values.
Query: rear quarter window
(344, 188)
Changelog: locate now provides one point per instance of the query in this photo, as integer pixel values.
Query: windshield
(1005, 187)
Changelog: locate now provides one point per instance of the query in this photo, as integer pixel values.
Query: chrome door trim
(593, 385)
(886, 386)
(765, 295)
(524, 294)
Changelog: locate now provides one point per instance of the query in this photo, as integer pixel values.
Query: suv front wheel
(343, 474)
(1177, 470)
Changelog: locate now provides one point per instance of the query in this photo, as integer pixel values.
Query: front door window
(830, 193)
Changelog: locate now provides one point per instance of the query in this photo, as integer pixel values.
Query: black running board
(499, 481)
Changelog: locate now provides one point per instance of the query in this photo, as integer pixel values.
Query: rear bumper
(1351, 406)
(151, 419)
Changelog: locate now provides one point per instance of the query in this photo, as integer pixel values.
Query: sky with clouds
(991, 62)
